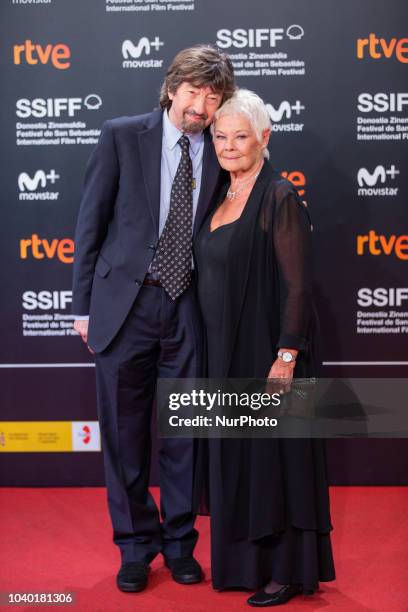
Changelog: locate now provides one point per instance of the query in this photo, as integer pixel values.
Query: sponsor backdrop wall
(334, 77)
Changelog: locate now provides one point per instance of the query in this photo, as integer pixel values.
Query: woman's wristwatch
(286, 356)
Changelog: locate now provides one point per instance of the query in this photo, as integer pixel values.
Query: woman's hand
(283, 371)
(280, 369)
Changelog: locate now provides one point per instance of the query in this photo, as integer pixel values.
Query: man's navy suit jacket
(118, 222)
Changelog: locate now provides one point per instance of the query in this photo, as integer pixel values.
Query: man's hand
(81, 326)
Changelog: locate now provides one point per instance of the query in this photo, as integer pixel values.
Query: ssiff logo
(285, 110)
(34, 53)
(367, 181)
(46, 300)
(28, 186)
(382, 102)
(132, 52)
(241, 38)
(379, 48)
(55, 107)
(381, 296)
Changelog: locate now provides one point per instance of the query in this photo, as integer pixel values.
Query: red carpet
(60, 540)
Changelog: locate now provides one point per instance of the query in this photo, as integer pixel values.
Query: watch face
(286, 356)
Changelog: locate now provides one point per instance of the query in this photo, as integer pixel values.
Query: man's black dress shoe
(282, 596)
(184, 570)
(132, 577)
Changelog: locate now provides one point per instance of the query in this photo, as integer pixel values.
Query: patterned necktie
(172, 259)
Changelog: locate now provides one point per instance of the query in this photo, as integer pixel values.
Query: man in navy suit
(148, 186)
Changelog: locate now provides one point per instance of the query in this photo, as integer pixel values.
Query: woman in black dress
(269, 503)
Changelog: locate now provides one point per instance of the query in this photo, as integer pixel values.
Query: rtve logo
(298, 179)
(55, 107)
(382, 102)
(378, 48)
(377, 244)
(256, 37)
(41, 248)
(367, 181)
(59, 54)
(285, 109)
(29, 186)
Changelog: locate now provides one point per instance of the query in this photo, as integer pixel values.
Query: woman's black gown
(293, 555)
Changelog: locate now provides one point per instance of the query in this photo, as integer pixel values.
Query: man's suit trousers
(160, 338)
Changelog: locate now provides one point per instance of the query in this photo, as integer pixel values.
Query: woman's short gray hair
(250, 105)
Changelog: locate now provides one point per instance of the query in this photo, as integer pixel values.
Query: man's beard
(193, 127)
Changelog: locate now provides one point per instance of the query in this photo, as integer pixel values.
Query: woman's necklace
(231, 195)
